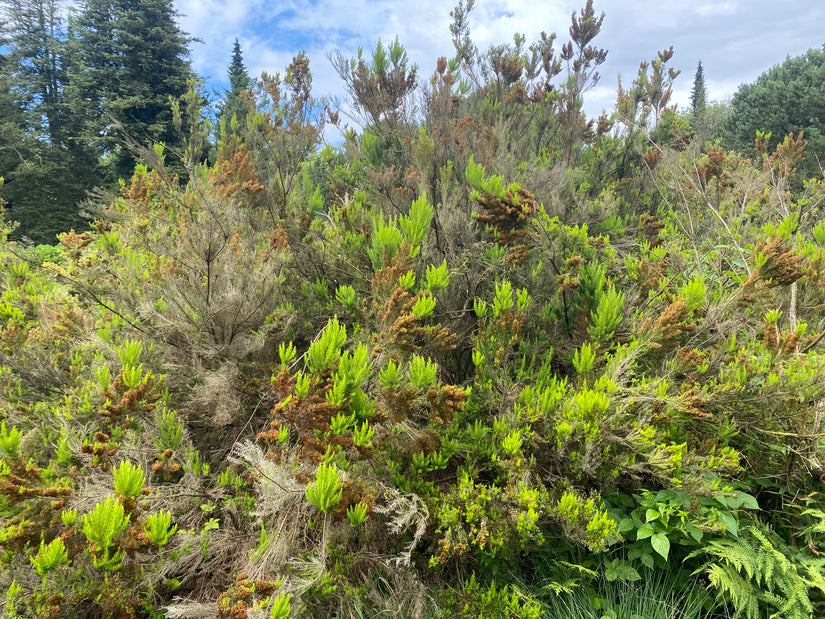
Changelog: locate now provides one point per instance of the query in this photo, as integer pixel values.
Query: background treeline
(76, 88)
(486, 358)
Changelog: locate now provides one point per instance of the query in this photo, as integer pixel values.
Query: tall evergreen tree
(698, 98)
(131, 58)
(239, 82)
(47, 171)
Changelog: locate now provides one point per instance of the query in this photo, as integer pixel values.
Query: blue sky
(736, 40)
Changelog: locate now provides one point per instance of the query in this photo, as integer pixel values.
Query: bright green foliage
(493, 602)
(416, 224)
(354, 366)
(286, 353)
(101, 527)
(438, 278)
(362, 436)
(9, 441)
(598, 374)
(129, 480)
(12, 593)
(477, 179)
(407, 280)
(68, 517)
(326, 350)
(280, 607)
(50, 557)
(357, 514)
(345, 295)
(129, 353)
(302, 384)
(325, 492)
(390, 377)
(386, 240)
(422, 372)
(341, 423)
(424, 306)
(503, 301)
(170, 430)
(584, 519)
(694, 294)
(584, 358)
(158, 528)
(607, 316)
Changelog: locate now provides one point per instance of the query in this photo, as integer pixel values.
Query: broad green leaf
(661, 544)
(694, 532)
(644, 531)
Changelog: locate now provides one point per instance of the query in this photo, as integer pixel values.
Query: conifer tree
(698, 98)
(131, 58)
(47, 170)
(239, 83)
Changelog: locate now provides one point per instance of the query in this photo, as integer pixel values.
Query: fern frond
(762, 576)
(742, 593)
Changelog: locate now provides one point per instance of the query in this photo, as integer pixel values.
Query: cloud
(735, 40)
(716, 8)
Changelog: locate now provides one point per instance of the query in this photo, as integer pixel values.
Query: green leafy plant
(129, 479)
(325, 492)
(755, 572)
(50, 557)
(390, 377)
(158, 528)
(280, 607)
(68, 517)
(438, 278)
(424, 306)
(101, 527)
(416, 224)
(363, 434)
(286, 354)
(357, 514)
(422, 372)
(326, 350)
(607, 316)
(584, 358)
(345, 295)
(9, 440)
(407, 280)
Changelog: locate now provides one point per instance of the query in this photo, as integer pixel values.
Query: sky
(736, 40)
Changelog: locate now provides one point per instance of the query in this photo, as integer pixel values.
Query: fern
(761, 576)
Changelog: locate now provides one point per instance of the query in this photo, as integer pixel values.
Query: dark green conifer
(239, 83)
(132, 57)
(46, 169)
(698, 98)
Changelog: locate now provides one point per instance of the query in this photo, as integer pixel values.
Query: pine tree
(47, 171)
(131, 58)
(12, 131)
(239, 83)
(698, 98)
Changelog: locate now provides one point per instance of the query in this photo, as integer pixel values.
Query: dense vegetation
(486, 358)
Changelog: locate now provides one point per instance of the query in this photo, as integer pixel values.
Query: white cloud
(716, 8)
(730, 36)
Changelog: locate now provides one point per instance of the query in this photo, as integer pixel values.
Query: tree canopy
(789, 98)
